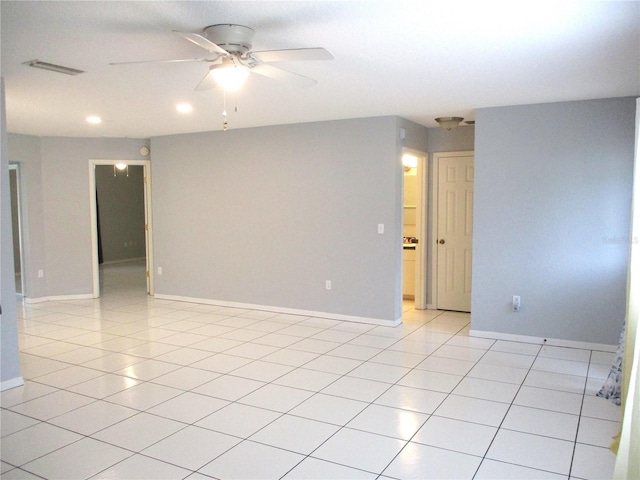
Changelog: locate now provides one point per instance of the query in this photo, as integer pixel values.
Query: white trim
(16, 167)
(12, 383)
(556, 342)
(292, 311)
(59, 298)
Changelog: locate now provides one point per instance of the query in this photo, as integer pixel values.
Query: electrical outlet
(327, 284)
(515, 304)
(381, 228)
(40, 273)
(159, 270)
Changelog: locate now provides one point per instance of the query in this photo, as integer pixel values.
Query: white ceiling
(416, 59)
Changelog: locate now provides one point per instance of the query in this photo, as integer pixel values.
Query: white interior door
(454, 231)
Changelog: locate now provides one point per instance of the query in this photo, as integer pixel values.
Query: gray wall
(266, 215)
(55, 193)
(553, 188)
(456, 140)
(9, 355)
(121, 211)
(26, 151)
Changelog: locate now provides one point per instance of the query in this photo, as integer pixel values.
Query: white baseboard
(291, 311)
(58, 298)
(12, 383)
(556, 342)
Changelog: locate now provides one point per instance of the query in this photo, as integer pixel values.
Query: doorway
(414, 229)
(120, 203)
(453, 227)
(16, 226)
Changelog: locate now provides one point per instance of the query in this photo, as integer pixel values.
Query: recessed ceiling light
(93, 119)
(184, 108)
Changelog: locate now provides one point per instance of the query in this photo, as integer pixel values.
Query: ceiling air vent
(52, 67)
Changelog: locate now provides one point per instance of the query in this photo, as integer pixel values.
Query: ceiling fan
(232, 59)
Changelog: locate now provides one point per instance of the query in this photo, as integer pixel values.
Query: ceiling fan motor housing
(233, 38)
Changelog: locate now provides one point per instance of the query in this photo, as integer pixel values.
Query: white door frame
(16, 167)
(420, 301)
(146, 164)
(434, 221)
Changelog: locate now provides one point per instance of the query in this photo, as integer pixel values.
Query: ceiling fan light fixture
(229, 75)
(449, 123)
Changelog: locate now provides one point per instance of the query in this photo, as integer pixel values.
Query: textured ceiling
(416, 59)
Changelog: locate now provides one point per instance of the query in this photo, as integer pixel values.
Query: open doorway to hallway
(121, 226)
(414, 234)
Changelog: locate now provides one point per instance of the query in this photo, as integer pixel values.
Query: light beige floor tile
(147, 370)
(295, 434)
(227, 387)
(143, 396)
(388, 421)
(533, 451)
(494, 470)
(21, 447)
(486, 389)
(438, 382)
(456, 435)
(93, 417)
(305, 379)
(357, 389)
(29, 391)
(597, 432)
(191, 447)
(186, 378)
(541, 422)
(473, 410)
(63, 464)
(52, 405)
(360, 450)
(422, 462)
(68, 377)
(329, 408)
(262, 371)
(188, 407)
(592, 463)
(238, 420)
(103, 386)
(266, 462)
(409, 398)
(11, 422)
(139, 432)
(276, 397)
(314, 469)
(558, 401)
(141, 467)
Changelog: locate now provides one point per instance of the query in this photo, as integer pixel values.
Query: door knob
(441, 242)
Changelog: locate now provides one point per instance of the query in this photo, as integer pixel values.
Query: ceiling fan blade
(207, 83)
(283, 76)
(293, 55)
(202, 42)
(164, 61)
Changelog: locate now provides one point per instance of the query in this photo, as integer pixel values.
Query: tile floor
(132, 387)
